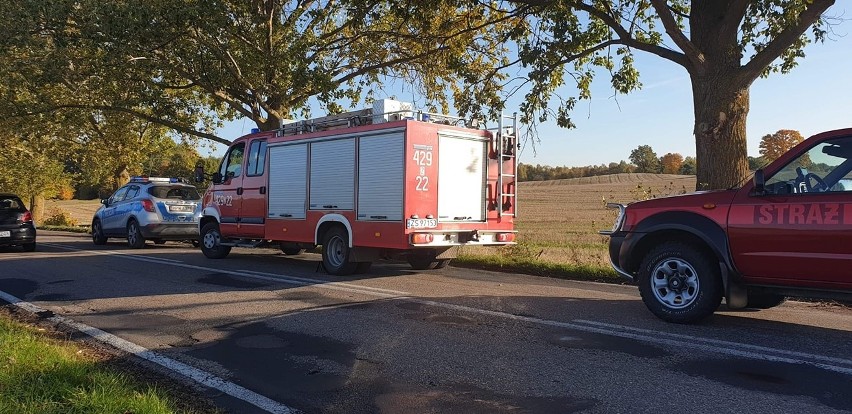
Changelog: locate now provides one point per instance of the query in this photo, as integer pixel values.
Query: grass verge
(40, 373)
(532, 266)
(73, 229)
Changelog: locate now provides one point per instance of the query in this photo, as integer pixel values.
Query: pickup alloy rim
(675, 283)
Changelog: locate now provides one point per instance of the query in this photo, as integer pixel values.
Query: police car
(149, 208)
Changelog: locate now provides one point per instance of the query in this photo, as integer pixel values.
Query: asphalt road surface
(270, 332)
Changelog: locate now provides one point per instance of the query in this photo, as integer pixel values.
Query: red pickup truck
(788, 232)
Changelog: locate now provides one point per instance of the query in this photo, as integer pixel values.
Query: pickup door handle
(263, 190)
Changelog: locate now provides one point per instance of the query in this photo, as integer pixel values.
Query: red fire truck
(383, 182)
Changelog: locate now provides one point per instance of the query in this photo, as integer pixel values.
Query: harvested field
(559, 220)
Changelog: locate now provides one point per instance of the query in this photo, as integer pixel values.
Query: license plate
(421, 223)
(180, 209)
(5, 234)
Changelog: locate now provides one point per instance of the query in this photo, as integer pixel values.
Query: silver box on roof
(389, 110)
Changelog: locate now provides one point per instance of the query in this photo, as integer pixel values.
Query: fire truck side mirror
(216, 178)
(199, 174)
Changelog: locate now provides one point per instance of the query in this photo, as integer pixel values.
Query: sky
(815, 97)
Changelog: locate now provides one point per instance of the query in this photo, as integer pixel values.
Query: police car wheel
(680, 283)
(98, 237)
(135, 239)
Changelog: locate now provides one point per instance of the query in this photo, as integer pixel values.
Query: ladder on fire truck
(507, 146)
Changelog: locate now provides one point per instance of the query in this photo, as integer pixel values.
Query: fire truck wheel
(440, 264)
(422, 263)
(210, 238)
(98, 237)
(363, 267)
(135, 239)
(680, 283)
(291, 250)
(335, 253)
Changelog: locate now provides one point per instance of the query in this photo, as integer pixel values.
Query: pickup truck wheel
(135, 239)
(98, 237)
(679, 284)
(335, 253)
(210, 242)
(764, 300)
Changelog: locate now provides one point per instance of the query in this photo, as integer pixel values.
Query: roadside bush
(59, 217)
(65, 193)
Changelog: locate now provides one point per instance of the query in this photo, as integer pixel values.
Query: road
(275, 334)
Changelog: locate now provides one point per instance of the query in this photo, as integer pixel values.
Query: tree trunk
(37, 208)
(720, 132)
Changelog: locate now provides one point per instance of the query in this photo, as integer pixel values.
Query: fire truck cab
(383, 182)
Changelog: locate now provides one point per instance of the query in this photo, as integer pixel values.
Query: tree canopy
(773, 145)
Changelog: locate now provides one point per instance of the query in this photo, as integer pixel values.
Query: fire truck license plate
(5, 234)
(421, 223)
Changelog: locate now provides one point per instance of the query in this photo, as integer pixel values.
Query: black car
(16, 223)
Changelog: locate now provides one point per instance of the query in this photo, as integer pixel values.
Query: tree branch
(695, 56)
(776, 47)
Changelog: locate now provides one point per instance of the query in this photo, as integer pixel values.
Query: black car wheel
(211, 240)
(135, 239)
(679, 283)
(98, 236)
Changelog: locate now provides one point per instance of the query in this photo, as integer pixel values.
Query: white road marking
(677, 341)
(195, 374)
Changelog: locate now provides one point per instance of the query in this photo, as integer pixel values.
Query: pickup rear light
(505, 237)
(148, 205)
(26, 217)
(421, 238)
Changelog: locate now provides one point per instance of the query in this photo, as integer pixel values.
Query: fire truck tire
(98, 237)
(336, 252)
(210, 238)
(679, 283)
(291, 250)
(422, 263)
(363, 267)
(764, 300)
(135, 239)
(440, 264)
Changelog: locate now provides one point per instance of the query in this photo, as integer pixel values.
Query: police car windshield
(174, 192)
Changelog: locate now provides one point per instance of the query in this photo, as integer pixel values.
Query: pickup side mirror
(759, 183)
(216, 178)
(199, 174)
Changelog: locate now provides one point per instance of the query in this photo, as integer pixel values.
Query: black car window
(8, 203)
(175, 192)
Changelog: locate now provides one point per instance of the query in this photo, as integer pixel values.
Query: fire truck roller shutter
(332, 172)
(381, 177)
(288, 177)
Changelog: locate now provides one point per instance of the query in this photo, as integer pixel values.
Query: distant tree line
(643, 159)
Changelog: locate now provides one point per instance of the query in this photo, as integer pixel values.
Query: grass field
(558, 223)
